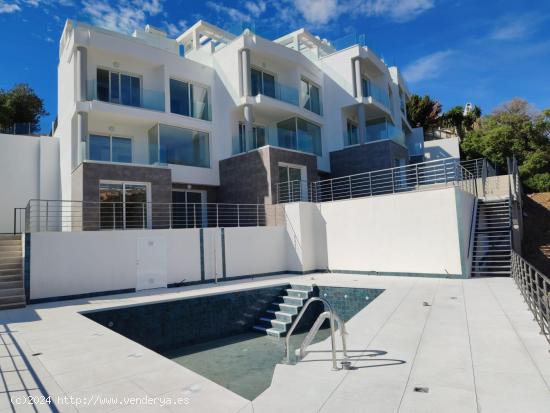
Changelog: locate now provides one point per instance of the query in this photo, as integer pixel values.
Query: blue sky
(480, 51)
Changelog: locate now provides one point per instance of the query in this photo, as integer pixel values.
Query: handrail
(299, 317)
(315, 329)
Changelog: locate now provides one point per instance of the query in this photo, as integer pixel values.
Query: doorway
(292, 183)
(124, 205)
(189, 209)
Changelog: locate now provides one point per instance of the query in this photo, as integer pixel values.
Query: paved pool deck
(475, 347)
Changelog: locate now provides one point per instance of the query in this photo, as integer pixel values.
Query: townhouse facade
(216, 117)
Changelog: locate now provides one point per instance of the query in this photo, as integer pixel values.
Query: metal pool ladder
(328, 314)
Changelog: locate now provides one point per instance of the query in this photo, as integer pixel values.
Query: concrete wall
(30, 170)
(441, 148)
(412, 233)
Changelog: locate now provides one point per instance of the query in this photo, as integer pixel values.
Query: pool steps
(279, 316)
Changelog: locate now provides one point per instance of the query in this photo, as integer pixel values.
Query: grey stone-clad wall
(85, 182)
(368, 157)
(252, 177)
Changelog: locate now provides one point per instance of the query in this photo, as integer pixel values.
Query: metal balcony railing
(56, 215)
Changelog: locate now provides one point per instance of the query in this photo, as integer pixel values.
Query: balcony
(278, 91)
(295, 134)
(164, 145)
(136, 97)
(377, 93)
(384, 130)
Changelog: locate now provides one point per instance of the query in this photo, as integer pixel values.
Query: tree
(21, 105)
(456, 119)
(514, 129)
(423, 112)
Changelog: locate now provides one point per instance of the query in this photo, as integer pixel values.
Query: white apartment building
(214, 117)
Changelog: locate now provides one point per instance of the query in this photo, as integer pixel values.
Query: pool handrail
(332, 329)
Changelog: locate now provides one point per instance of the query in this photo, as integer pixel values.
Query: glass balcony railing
(304, 138)
(349, 40)
(384, 130)
(280, 91)
(134, 153)
(377, 93)
(147, 99)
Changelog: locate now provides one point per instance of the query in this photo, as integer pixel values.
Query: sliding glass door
(123, 205)
(188, 209)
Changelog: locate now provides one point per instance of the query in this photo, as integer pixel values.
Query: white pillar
(196, 40)
(358, 79)
(245, 59)
(362, 121)
(81, 74)
(248, 126)
(82, 136)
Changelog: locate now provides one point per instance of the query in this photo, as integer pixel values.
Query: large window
(262, 83)
(123, 205)
(258, 138)
(179, 146)
(299, 134)
(189, 99)
(109, 149)
(311, 97)
(118, 87)
(352, 135)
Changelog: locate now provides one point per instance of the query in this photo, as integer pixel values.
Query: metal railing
(54, 215)
(333, 317)
(22, 128)
(480, 168)
(535, 288)
(292, 191)
(421, 176)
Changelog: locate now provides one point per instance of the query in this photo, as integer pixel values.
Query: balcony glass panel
(102, 85)
(99, 148)
(199, 102)
(378, 94)
(383, 130)
(309, 137)
(121, 150)
(352, 134)
(181, 146)
(286, 134)
(310, 96)
(129, 94)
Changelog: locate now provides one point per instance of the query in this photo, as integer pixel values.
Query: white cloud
(231, 13)
(8, 7)
(319, 12)
(256, 8)
(398, 10)
(121, 15)
(516, 27)
(427, 67)
(175, 30)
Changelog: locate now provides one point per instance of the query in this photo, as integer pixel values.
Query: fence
(535, 288)
(54, 215)
(24, 128)
(415, 177)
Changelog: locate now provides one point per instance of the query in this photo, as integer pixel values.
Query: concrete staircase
(279, 316)
(492, 242)
(12, 292)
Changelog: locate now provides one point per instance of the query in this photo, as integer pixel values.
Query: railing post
(349, 184)
(194, 215)
(142, 215)
(331, 191)
(238, 215)
(217, 216)
(14, 220)
(370, 184)
(171, 214)
(392, 182)
(114, 216)
(417, 186)
(47, 214)
(257, 215)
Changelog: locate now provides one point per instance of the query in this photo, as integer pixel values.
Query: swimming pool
(213, 334)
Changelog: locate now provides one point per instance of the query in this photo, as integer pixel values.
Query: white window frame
(303, 177)
(120, 72)
(189, 101)
(262, 71)
(311, 83)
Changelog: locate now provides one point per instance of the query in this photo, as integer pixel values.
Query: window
(189, 100)
(179, 146)
(352, 135)
(299, 134)
(311, 98)
(258, 138)
(262, 83)
(118, 87)
(291, 185)
(123, 205)
(189, 209)
(109, 149)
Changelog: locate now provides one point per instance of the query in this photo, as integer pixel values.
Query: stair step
(11, 260)
(9, 306)
(18, 284)
(307, 288)
(13, 299)
(10, 237)
(292, 300)
(281, 325)
(280, 315)
(11, 292)
(9, 254)
(297, 293)
(9, 278)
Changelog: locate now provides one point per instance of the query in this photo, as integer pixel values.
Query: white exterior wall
(441, 148)
(30, 171)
